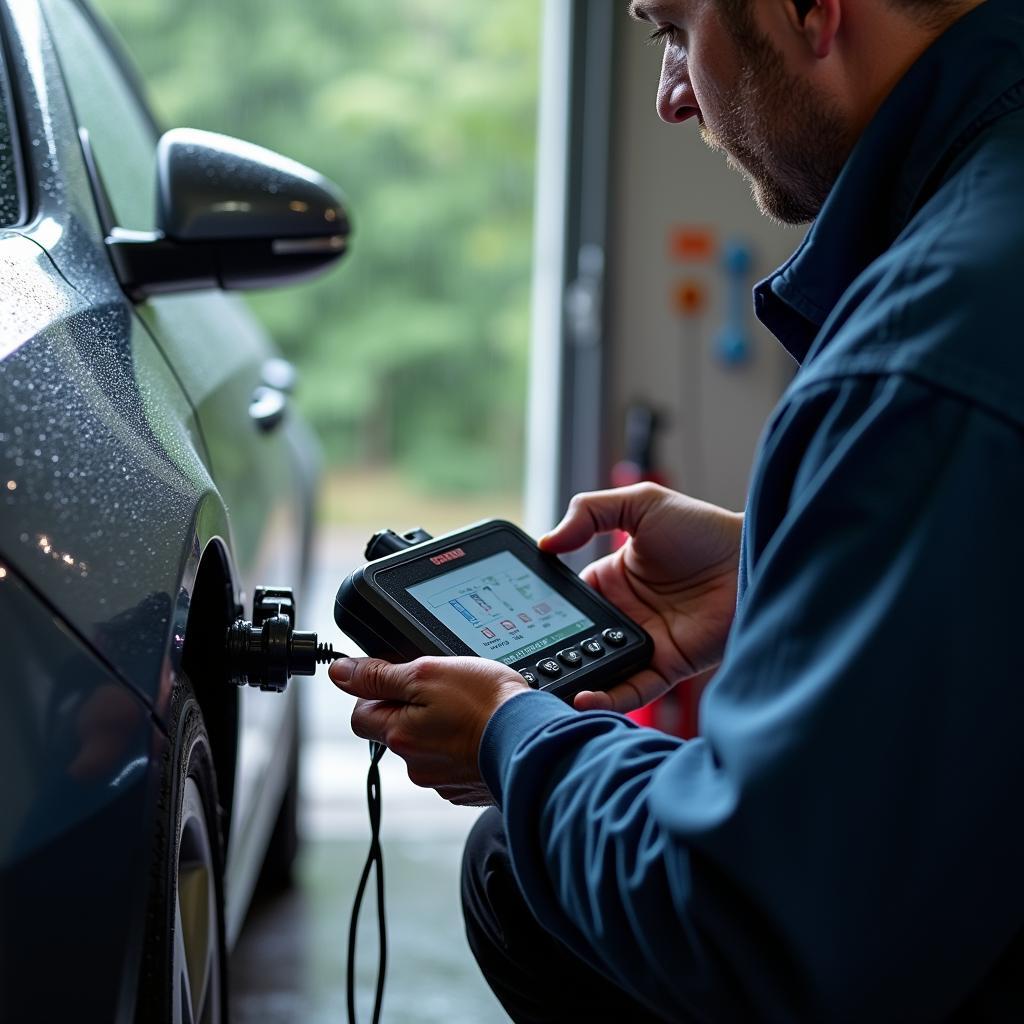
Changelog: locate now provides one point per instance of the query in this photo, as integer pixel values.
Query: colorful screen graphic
(499, 608)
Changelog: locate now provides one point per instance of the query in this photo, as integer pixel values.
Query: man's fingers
(371, 719)
(601, 512)
(373, 679)
(591, 574)
(634, 693)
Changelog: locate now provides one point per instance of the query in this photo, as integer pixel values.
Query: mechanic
(845, 839)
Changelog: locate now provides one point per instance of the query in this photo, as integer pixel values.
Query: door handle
(279, 373)
(267, 408)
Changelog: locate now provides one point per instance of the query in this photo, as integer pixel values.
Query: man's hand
(432, 713)
(675, 576)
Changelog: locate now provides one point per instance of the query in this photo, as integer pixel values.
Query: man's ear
(817, 21)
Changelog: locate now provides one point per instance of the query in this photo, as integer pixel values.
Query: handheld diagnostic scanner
(488, 590)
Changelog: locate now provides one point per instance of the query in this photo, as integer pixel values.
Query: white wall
(664, 176)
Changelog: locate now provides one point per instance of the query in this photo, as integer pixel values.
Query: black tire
(278, 871)
(184, 966)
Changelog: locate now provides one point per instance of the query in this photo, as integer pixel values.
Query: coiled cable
(374, 859)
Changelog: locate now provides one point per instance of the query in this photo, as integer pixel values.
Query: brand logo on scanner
(448, 556)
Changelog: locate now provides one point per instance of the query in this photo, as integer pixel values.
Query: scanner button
(593, 647)
(571, 657)
(549, 667)
(616, 637)
(530, 677)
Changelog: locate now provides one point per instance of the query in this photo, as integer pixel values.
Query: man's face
(774, 127)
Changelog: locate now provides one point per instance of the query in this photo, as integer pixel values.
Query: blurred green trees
(414, 352)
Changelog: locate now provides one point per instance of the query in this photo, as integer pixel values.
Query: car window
(10, 190)
(120, 130)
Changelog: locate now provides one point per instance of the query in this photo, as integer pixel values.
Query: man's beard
(788, 141)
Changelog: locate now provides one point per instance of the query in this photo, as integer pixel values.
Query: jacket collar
(963, 82)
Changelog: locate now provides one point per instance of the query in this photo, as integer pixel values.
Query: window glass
(121, 133)
(10, 193)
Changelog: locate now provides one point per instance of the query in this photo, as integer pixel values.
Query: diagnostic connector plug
(269, 650)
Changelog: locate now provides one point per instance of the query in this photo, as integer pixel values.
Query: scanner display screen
(499, 608)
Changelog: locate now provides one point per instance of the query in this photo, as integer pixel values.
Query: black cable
(267, 658)
(374, 858)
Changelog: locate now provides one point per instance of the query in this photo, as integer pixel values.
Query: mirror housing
(229, 215)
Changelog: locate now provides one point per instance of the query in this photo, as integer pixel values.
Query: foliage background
(414, 352)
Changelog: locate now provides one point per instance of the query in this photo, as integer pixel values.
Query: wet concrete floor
(289, 964)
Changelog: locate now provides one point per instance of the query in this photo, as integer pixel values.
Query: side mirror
(229, 215)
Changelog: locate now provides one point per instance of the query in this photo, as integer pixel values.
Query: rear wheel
(183, 979)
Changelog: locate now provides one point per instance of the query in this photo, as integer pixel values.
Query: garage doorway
(413, 357)
(412, 365)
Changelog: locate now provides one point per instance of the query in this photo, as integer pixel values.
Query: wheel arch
(212, 608)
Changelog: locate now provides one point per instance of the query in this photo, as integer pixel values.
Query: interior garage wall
(670, 195)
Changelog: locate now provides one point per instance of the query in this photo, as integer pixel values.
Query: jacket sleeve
(844, 841)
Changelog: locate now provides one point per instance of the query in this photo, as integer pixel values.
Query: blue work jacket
(845, 839)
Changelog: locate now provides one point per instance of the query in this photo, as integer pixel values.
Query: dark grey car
(149, 480)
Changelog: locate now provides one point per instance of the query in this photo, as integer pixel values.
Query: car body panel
(78, 751)
(90, 411)
(126, 450)
(101, 480)
(219, 351)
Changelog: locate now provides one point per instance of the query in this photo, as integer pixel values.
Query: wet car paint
(108, 492)
(99, 476)
(258, 477)
(78, 747)
(103, 531)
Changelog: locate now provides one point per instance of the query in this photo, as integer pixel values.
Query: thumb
(371, 678)
(597, 512)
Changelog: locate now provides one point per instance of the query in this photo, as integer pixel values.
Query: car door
(102, 491)
(260, 459)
